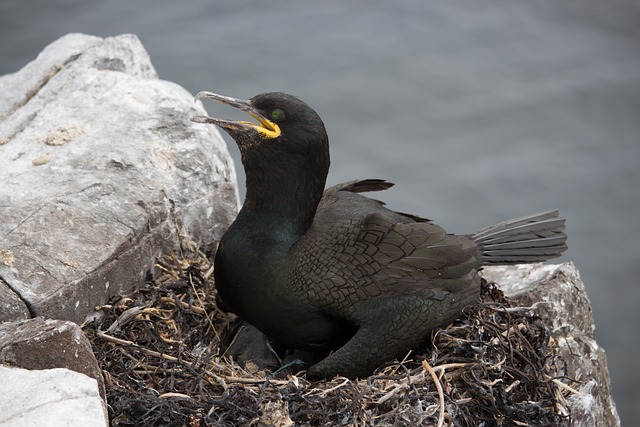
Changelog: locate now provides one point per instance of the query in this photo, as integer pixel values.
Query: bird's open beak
(264, 126)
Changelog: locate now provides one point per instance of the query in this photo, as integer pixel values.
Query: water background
(478, 111)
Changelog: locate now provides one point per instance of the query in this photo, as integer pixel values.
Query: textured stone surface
(53, 397)
(44, 344)
(557, 294)
(11, 306)
(98, 162)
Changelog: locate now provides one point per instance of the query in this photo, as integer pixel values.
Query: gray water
(478, 111)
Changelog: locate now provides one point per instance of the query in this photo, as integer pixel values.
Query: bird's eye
(277, 114)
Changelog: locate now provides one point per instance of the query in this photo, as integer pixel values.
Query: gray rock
(45, 344)
(556, 294)
(11, 306)
(54, 397)
(98, 162)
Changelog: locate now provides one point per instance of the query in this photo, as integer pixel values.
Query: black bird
(335, 270)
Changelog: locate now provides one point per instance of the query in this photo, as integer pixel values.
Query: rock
(11, 306)
(98, 163)
(53, 397)
(45, 344)
(559, 297)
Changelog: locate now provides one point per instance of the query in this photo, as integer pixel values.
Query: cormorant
(334, 270)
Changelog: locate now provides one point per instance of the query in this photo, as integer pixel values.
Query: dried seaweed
(159, 350)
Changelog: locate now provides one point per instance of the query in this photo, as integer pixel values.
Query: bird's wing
(350, 204)
(358, 249)
(359, 186)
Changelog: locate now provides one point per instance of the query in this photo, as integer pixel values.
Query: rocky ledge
(98, 163)
(101, 171)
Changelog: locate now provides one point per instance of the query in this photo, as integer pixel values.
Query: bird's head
(284, 124)
(285, 152)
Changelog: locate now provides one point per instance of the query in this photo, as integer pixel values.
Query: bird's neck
(281, 204)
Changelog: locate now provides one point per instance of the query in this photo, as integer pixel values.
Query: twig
(153, 353)
(450, 366)
(564, 386)
(428, 368)
(342, 384)
(389, 395)
(207, 315)
(170, 358)
(194, 308)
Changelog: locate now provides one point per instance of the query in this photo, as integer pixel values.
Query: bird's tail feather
(532, 238)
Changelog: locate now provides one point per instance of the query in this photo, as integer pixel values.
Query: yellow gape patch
(266, 127)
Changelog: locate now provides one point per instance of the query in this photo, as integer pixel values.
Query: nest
(159, 349)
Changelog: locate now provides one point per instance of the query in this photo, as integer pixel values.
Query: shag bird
(333, 270)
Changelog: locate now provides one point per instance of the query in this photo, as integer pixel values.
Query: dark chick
(335, 270)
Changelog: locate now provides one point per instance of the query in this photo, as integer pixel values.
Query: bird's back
(357, 250)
